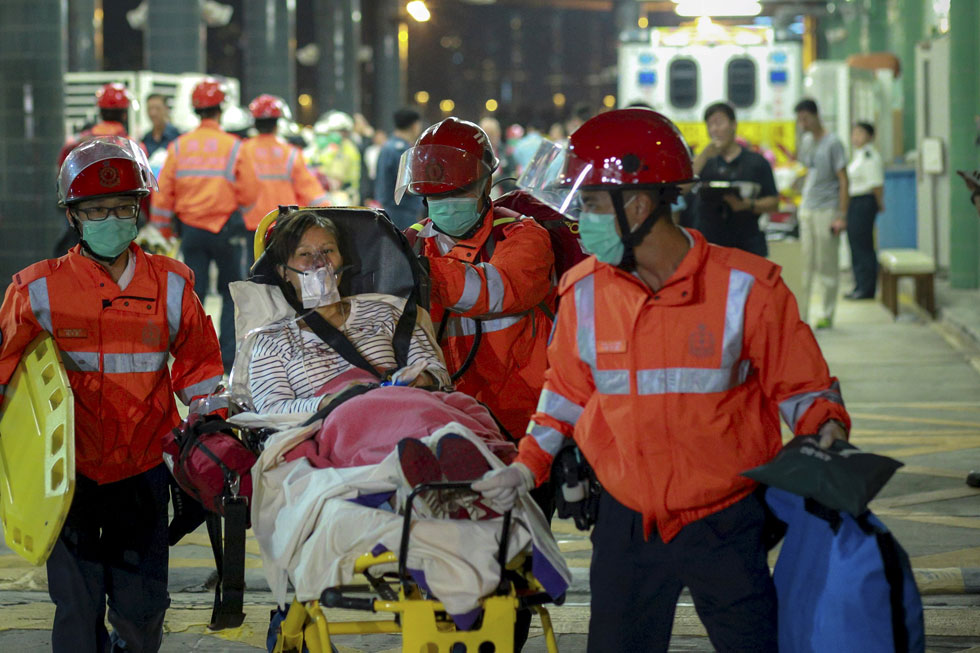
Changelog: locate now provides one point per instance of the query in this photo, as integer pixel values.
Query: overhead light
(718, 8)
(609, 101)
(447, 105)
(491, 105)
(422, 97)
(558, 99)
(417, 10)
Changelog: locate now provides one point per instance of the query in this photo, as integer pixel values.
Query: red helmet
(448, 156)
(113, 96)
(627, 147)
(266, 106)
(208, 93)
(103, 166)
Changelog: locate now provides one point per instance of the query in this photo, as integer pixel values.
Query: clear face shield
(99, 149)
(437, 170)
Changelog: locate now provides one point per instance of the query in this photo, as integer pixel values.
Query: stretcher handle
(407, 524)
(333, 598)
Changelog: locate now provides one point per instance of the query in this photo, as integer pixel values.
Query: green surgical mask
(454, 215)
(109, 237)
(599, 237)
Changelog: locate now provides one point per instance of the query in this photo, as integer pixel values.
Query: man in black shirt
(730, 216)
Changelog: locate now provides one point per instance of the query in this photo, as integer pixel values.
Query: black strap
(402, 339)
(229, 559)
(339, 398)
(895, 576)
(329, 334)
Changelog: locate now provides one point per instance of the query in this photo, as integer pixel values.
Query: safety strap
(329, 334)
(229, 560)
(339, 398)
(402, 339)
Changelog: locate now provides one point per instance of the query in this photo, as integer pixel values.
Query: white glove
(501, 487)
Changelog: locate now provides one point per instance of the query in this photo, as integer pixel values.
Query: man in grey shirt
(822, 210)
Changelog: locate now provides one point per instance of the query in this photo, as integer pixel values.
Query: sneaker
(419, 466)
(824, 323)
(462, 461)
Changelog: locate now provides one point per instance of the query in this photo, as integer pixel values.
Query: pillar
(339, 38)
(84, 35)
(905, 25)
(388, 92)
(875, 38)
(33, 61)
(964, 93)
(627, 15)
(175, 37)
(269, 49)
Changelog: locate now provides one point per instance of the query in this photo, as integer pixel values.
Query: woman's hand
(423, 380)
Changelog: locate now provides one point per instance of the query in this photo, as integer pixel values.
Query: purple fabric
(371, 500)
(547, 575)
(379, 549)
(463, 621)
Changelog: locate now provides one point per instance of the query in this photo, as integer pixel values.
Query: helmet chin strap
(633, 237)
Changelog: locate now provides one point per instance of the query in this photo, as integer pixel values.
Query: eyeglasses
(98, 213)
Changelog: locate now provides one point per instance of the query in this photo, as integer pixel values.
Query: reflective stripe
(549, 439)
(317, 201)
(81, 361)
(200, 172)
(495, 288)
(289, 163)
(247, 209)
(162, 212)
(559, 407)
(795, 407)
(37, 292)
(205, 387)
(464, 326)
(281, 177)
(471, 291)
(175, 301)
(230, 168)
(500, 221)
(671, 380)
(135, 363)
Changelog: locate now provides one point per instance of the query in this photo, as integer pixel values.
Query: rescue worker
(490, 269)
(335, 155)
(113, 101)
(117, 314)
(208, 184)
(280, 168)
(670, 364)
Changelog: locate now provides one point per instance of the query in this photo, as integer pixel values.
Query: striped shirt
(289, 366)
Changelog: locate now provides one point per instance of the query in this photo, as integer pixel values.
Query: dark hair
(808, 105)
(113, 115)
(289, 231)
(639, 104)
(158, 96)
(867, 127)
(266, 125)
(406, 117)
(719, 107)
(208, 113)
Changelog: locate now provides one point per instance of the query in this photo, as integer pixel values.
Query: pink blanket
(366, 428)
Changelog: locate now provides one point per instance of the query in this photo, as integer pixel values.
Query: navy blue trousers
(113, 544)
(861, 213)
(721, 559)
(227, 250)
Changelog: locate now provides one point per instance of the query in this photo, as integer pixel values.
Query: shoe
(462, 461)
(973, 479)
(825, 323)
(419, 466)
(856, 296)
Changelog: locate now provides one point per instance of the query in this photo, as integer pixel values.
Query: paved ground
(912, 388)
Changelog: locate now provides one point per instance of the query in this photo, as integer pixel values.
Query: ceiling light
(718, 8)
(417, 10)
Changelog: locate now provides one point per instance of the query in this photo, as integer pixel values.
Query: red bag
(208, 461)
(564, 233)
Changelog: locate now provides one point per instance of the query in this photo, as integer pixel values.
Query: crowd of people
(668, 356)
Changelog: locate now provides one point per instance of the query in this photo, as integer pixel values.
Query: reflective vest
(115, 345)
(205, 178)
(672, 394)
(283, 177)
(502, 278)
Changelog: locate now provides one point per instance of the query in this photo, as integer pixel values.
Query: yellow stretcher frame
(423, 623)
(37, 452)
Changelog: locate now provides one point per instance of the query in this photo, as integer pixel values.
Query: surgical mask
(109, 237)
(318, 285)
(454, 215)
(599, 236)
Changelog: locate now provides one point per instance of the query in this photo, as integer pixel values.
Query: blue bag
(843, 584)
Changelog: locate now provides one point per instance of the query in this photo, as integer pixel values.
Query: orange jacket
(205, 179)
(115, 345)
(104, 128)
(672, 394)
(283, 177)
(504, 276)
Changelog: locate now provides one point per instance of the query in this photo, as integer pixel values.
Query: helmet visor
(437, 170)
(101, 149)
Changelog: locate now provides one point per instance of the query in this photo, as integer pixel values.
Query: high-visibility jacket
(115, 345)
(205, 179)
(503, 278)
(103, 128)
(283, 177)
(671, 394)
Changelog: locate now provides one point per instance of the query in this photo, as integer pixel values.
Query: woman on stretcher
(291, 369)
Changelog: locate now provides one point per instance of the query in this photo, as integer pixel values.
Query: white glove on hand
(501, 487)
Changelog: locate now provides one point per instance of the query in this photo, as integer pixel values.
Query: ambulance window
(683, 83)
(741, 82)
